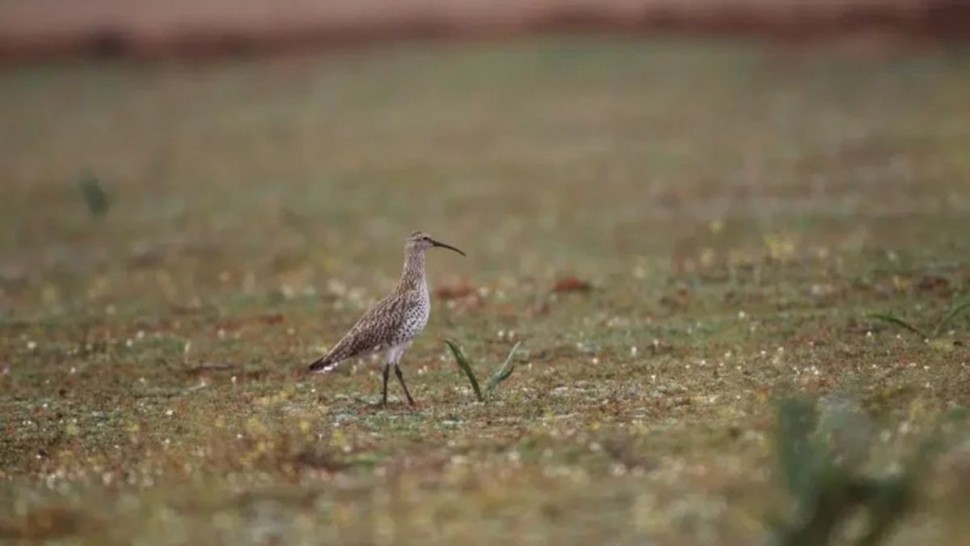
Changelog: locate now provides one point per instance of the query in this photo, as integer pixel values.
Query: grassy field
(736, 213)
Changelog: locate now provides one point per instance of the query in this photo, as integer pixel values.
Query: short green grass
(737, 213)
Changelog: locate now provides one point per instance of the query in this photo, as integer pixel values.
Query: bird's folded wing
(373, 332)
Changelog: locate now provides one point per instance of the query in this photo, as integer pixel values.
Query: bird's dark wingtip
(321, 365)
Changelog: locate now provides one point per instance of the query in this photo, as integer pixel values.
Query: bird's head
(420, 241)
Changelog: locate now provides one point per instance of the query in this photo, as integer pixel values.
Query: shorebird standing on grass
(393, 323)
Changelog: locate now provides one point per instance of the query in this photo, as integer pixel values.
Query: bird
(391, 325)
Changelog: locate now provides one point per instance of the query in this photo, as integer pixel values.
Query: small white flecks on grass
(633, 351)
(31, 345)
(201, 385)
(169, 412)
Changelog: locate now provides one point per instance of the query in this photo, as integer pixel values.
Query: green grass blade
(950, 316)
(797, 455)
(95, 197)
(465, 367)
(503, 372)
(898, 322)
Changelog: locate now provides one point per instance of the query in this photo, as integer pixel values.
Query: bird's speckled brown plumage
(393, 322)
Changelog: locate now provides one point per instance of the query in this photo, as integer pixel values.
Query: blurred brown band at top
(49, 29)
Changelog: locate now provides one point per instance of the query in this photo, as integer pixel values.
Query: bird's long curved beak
(449, 247)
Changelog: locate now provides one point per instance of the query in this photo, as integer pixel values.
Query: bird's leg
(387, 370)
(400, 377)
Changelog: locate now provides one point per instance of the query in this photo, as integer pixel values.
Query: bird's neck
(413, 275)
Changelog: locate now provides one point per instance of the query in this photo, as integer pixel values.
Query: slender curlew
(393, 323)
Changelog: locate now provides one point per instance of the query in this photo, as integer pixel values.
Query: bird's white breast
(417, 316)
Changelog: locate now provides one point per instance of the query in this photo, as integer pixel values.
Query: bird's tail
(323, 364)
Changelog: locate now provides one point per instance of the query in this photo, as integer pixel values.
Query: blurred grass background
(735, 212)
